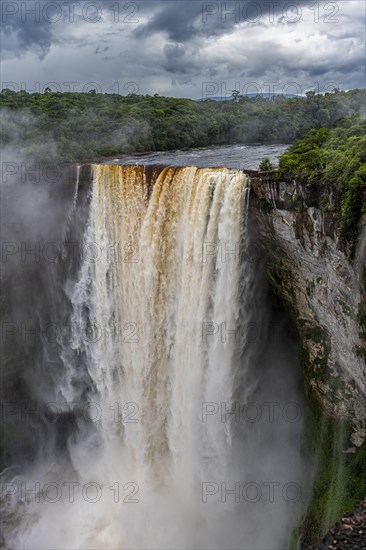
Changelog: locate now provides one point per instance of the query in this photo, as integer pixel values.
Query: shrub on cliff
(333, 158)
(265, 165)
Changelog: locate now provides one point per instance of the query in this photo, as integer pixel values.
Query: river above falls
(237, 157)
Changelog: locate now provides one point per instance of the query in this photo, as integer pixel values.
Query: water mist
(172, 416)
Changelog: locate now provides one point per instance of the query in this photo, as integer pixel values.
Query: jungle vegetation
(85, 126)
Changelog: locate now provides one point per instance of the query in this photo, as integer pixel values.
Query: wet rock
(309, 271)
(347, 534)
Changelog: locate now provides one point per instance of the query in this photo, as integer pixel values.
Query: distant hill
(267, 95)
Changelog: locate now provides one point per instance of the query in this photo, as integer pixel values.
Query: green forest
(327, 133)
(332, 163)
(87, 126)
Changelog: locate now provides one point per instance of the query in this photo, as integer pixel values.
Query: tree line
(87, 126)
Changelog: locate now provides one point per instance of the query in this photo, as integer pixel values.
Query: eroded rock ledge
(312, 274)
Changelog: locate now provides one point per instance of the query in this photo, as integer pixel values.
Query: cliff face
(323, 290)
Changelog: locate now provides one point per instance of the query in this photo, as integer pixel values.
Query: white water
(164, 270)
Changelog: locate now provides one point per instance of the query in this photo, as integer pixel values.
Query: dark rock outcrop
(347, 534)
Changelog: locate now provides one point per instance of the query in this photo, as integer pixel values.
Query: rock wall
(310, 271)
(313, 276)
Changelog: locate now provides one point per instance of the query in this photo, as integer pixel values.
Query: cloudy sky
(186, 48)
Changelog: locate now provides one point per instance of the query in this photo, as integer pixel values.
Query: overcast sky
(185, 48)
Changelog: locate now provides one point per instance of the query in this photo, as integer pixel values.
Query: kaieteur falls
(184, 421)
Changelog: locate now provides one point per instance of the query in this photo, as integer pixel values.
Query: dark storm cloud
(183, 20)
(25, 21)
(178, 19)
(177, 60)
(164, 45)
(32, 24)
(99, 49)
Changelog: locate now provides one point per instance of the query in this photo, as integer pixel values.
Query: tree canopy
(85, 126)
(333, 158)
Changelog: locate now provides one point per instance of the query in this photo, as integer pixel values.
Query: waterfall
(74, 201)
(167, 293)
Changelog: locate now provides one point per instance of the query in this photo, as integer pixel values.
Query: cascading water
(171, 297)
